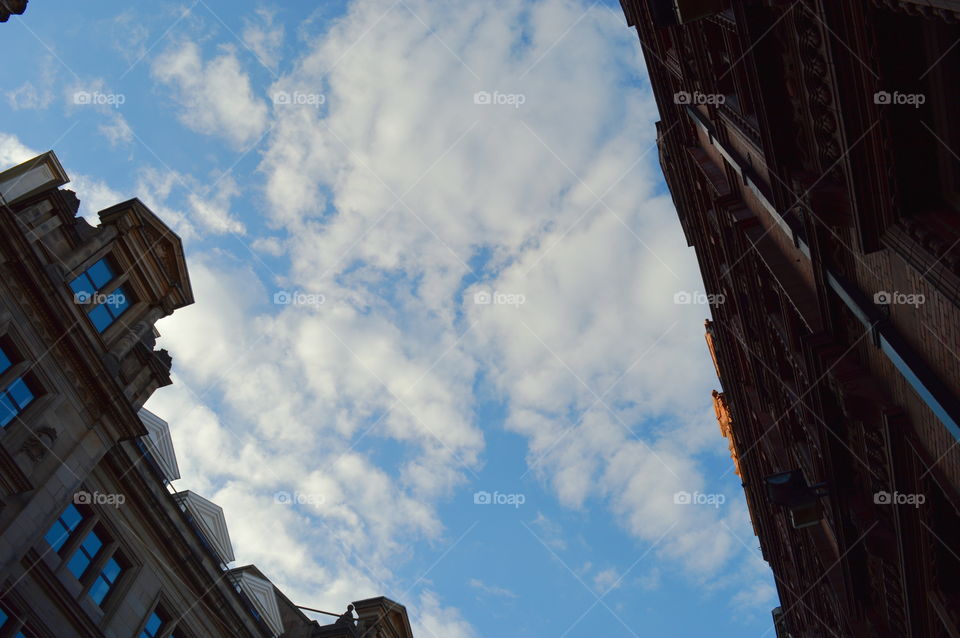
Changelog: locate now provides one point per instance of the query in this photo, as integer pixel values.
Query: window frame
(89, 299)
(110, 550)
(20, 370)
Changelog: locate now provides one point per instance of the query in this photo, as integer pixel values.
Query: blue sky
(434, 259)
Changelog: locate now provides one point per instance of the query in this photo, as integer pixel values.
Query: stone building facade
(812, 150)
(94, 538)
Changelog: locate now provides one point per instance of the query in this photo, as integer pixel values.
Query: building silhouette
(812, 150)
(11, 7)
(94, 538)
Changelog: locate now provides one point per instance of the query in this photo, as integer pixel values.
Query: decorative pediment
(210, 520)
(146, 234)
(159, 444)
(261, 594)
(382, 616)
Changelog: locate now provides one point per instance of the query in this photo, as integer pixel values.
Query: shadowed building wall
(811, 149)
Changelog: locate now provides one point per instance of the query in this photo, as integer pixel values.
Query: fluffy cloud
(215, 96)
(118, 130)
(13, 151)
(28, 96)
(432, 620)
(456, 153)
(264, 38)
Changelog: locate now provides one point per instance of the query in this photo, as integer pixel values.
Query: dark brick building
(94, 539)
(812, 148)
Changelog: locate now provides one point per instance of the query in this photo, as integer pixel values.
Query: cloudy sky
(436, 352)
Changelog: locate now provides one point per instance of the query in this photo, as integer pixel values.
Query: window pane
(99, 590)
(82, 288)
(111, 570)
(117, 302)
(57, 536)
(100, 273)
(61, 529)
(4, 360)
(105, 580)
(20, 393)
(3, 618)
(152, 629)
(101, 318)
(71, 517)
(78, 564)
(92, 544)
(7, 409)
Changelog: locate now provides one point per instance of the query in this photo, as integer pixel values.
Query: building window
(85, 554)
(106, 580)
(64, 527)
(91, 561)
(8, 625)
(87, 289)
(16, 396)
(154, 625)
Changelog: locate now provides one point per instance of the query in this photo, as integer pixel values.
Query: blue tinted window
(87, 289)
(78, 564)
(113, 305)
(117, 302)
(106, 579)
(3, 618)
(13, 400)
(4, 361)
(83, 289)
(20, 393)
(7, 409)
(72, 516)
(152, 628)
(64, 526)
(84, 555)
(101, 318)
(91, 544)
(100, 273)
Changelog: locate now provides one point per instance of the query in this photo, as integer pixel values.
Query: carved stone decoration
(915, 8)
(39, 443)
(820, 99)
(159, 246)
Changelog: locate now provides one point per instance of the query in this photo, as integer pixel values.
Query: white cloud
(492, 590)
(13, 151)
(95, 195)
(264, 38)
(28, 96)
(129, 35)
(215, 96)
(595, 356)
(214, 212)
(268, 245)
(599, 320)
(432, 620)
(606, 580)
(118, 131)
